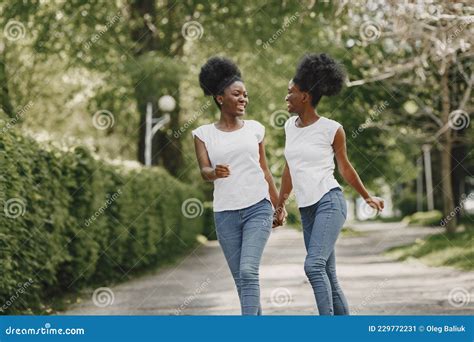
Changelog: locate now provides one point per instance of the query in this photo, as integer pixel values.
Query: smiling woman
(312, 143)
(231, 154)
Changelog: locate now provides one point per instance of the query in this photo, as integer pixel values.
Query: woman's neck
(228, 121)
(308, 117)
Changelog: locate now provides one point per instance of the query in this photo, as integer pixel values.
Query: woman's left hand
(375, 202)
(279, 217)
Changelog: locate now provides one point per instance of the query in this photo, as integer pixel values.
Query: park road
(201, 284)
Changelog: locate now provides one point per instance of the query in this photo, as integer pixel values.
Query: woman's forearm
(352, 178)
(208, 174)
(272, 188)
(286, 187)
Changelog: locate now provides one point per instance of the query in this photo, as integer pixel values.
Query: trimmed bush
(406, 202)
(294, 217)
(425, 218)
(209, 227)
(70, 220)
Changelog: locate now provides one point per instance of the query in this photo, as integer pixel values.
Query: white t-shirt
(246, 184)
(310, 157)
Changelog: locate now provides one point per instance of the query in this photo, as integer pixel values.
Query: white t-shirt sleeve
(288, 123)
(332, 129)
(259, 131)
(200, 133)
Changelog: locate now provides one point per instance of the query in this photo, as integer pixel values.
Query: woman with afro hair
(231, 154)
(312, 142)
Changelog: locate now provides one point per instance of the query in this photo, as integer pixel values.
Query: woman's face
(294, 98)
(235, 99)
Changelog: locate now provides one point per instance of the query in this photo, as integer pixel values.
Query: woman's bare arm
(348, 172)
(207, 172)
(268, 175)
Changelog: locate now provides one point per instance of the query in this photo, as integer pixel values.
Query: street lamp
(166, 104)
(429, 179)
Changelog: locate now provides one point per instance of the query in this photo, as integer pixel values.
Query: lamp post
(166, 104)
(419, 184)
(429, 179)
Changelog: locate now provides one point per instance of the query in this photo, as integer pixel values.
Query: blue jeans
(242, 235)
(322, 223)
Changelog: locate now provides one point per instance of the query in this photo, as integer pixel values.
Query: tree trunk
(5, 101)
(170, 146)
(166, 149)
(459, 174)
(354, 208)
(446, 147)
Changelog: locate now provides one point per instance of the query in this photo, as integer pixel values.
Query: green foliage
(467, 220)
(424, 218)
(208, 216)
(81, 221)
(406, 202)
(456, 250)
(111, 56)
(294, 217)
(348, 232)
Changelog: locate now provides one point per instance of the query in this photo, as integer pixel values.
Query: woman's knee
(314, 266)
(248, 272)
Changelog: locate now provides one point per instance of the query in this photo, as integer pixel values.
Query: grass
(455, 250)
(385, 219)
(351, 232)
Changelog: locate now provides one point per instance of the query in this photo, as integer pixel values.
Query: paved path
(201, 284)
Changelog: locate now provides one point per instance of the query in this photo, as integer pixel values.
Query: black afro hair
(217, 74)
(319, 75)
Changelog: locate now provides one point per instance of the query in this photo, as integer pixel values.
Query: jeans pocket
(266, 204)
(342, 203)
(267, 201)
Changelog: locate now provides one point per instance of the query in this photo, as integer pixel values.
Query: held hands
(279, 217)
(222, 171)
(375, 202)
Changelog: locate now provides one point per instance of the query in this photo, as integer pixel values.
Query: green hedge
(406, 202)
(209, 227)
(70, 220)
(425, 218)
